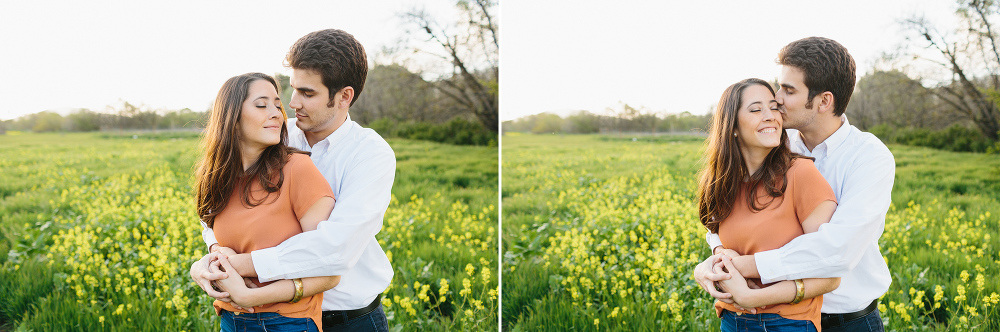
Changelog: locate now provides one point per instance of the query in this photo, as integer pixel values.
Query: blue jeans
(264, 321)
(373, 321)
(763, 323)
(871, 322)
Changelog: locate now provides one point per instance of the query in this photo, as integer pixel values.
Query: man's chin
(302, 125)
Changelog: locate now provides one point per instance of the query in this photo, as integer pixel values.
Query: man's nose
(294, 103)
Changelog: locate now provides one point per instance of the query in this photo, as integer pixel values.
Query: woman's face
(758, 122)
(260, 119)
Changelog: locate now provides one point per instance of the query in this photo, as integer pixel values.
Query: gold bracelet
(800, 291)
(298, 290)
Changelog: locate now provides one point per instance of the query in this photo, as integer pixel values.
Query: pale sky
(58, 55)
(675, 56)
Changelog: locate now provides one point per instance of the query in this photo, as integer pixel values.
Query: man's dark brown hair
(333, 54)
(827, 66)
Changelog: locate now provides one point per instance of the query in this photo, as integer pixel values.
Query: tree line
(124, 116)
(621, 119)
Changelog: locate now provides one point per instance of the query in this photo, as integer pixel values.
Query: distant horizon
(565, 113)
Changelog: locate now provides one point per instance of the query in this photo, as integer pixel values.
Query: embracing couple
(794, 198)
(291, 210)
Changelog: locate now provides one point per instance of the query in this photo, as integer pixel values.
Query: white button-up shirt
(861, 170)
(359, 166)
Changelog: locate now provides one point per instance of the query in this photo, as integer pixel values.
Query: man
(816, 82)
(328, 74)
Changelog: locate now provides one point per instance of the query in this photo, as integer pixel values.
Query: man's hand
(200, 273)
(706, 277)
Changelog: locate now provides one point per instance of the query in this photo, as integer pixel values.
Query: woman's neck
(250, 155)
(754, 157)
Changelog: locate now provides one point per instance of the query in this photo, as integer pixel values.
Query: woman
(254, 192)
(757, 195)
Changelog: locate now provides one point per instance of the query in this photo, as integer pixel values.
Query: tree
(967, 53)
(471, 46)
(583, 122)
(547, 123)
(284, 82)
(394, 92)
(83, 120)
(894, 99)
(47, 121)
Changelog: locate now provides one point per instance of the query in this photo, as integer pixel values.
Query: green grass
(98, 232)
(601, 233)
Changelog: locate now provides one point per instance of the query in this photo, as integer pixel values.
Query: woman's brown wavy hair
(221, 169)
(725, 172)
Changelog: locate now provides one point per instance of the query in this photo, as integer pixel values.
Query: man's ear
(826, 102)
(344, 97)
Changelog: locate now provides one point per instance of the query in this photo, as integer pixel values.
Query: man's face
(309, 101)
(792, 97)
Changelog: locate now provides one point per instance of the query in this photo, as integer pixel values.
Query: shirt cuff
(265, 262)
(769, 266)
(713, 241)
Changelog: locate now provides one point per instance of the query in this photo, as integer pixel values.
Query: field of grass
(98, 233)
(602, 234)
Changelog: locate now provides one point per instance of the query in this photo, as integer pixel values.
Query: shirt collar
(336, 136)
(835, 140)
(840, 136)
